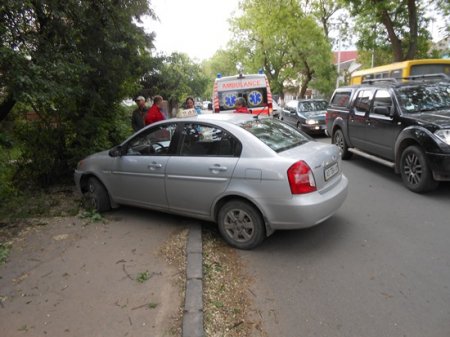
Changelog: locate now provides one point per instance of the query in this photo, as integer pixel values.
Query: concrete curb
(193, 302)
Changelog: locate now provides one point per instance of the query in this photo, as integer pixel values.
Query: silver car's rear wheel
(241, 225)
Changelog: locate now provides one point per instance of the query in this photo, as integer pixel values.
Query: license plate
(331, 171)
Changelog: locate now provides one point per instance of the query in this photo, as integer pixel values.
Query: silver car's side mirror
(116, 151)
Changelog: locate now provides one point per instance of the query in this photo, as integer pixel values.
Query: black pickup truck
(404, 125)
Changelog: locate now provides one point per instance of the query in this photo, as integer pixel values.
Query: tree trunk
(413, 30)
(395, 41)
(307, 77)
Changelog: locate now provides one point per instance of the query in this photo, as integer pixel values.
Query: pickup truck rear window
(341, 99)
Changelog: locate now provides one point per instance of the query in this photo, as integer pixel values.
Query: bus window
(396, 73)
(367, 77)
(423, 69)
(403, 69)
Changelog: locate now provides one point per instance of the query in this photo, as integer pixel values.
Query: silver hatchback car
(250, 175)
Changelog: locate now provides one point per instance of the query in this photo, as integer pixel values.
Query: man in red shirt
(241, 105)
(154, 114)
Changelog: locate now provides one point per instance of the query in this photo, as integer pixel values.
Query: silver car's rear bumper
(306, 210)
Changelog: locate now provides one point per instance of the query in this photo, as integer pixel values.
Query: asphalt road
(379, 267)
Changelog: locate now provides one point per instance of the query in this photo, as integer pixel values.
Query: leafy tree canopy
(278, 37)
(174, 77)
(223, 62)
(71, 62)
(398, 27)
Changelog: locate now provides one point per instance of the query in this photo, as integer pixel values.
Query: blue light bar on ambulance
(219, 75)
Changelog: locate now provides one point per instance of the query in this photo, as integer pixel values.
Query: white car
(206, 104)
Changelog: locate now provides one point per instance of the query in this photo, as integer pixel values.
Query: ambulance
(253, 87)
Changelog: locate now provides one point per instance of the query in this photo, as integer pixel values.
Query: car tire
(241, 224)
(339, 141)
(96, 196)
(415, 171)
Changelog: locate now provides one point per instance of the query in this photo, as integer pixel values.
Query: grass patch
(152, 305)
(142, 277)
(227, 306)
(57, 201)
(4, 252)
(92, 216)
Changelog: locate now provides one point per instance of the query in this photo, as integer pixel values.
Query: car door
(357, 118)
(139, 173)
(202, 168)
(382, 130)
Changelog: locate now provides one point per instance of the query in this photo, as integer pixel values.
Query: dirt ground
(69, 277)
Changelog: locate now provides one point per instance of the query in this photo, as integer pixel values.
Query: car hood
(440, 118)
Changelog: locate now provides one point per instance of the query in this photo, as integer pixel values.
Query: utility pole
(338, 63)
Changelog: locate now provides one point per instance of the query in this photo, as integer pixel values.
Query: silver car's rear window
(275, 134)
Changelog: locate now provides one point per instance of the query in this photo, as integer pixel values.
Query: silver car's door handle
(154, 165)
(217, 167)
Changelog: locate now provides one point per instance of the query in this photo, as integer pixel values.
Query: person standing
(241, 105)
(190, 104)
(154, 114)
(137, 119)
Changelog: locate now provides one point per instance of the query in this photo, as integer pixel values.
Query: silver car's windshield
(427, 97)
(278, 136)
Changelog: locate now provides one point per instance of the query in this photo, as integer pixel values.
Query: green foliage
(24, 203)
(152, 305)
(71, 63)
(4, 252)
(278, 37)
(175, 77)
(142, 277)
(92, 216)
(223, 62)
(396, 26)
(6, 168)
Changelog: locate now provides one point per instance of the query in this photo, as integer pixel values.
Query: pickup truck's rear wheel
(339, 141)
(415, 171)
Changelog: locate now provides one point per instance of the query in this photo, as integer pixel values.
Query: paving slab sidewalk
(70, 279)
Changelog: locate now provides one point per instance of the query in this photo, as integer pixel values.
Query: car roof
(234, 118)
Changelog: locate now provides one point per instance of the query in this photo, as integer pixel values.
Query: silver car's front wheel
(241, 225)
(96, 196)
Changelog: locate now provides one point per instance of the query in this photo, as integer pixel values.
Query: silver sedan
(250, 175)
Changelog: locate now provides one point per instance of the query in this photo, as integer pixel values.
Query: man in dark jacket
(137, 119)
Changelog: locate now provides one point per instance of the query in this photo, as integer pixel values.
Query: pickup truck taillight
(301, 178)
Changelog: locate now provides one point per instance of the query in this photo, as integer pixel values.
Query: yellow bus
(403, 69)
